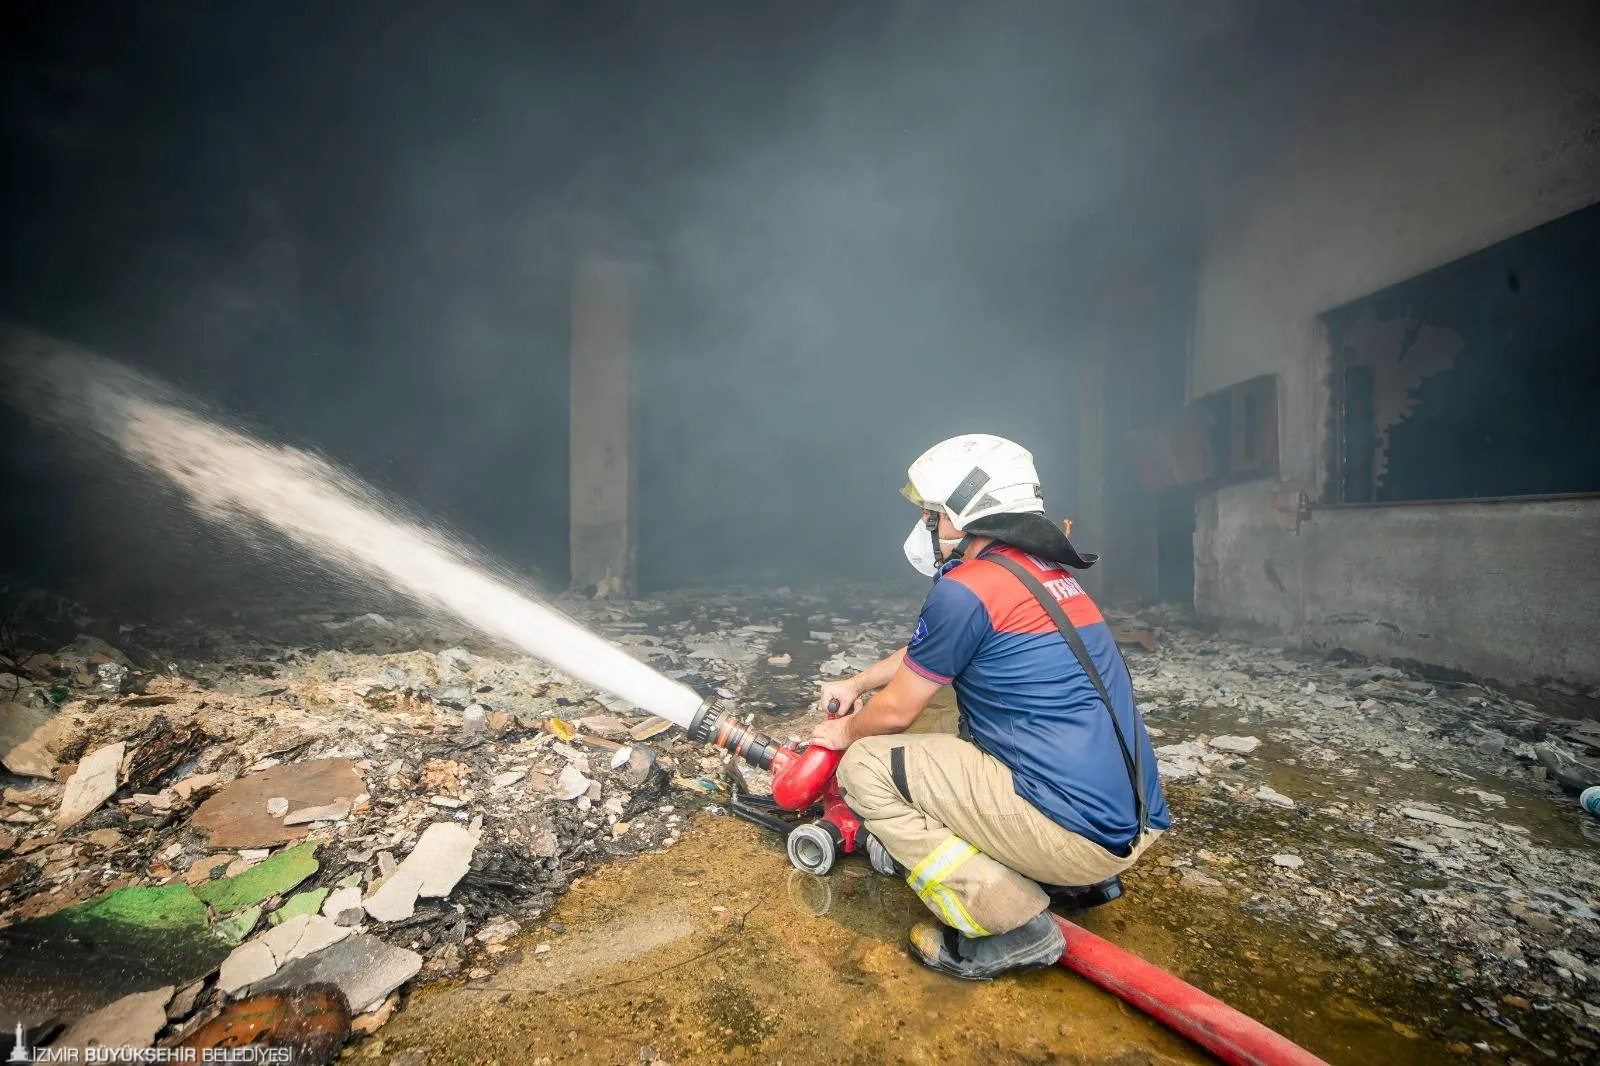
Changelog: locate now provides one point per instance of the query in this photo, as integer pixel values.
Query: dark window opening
(1477, 379)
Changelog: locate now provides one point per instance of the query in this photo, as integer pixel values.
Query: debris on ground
(1429, 816)
(241, 812)
(132, 1021)
(250, 811)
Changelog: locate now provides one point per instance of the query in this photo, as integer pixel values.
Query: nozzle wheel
(813, 847)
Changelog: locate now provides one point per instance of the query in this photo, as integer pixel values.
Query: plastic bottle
(1590, 800)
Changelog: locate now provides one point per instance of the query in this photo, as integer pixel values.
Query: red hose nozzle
(799, 777)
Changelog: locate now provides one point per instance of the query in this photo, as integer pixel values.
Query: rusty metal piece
(235, 816)
(312, 1021)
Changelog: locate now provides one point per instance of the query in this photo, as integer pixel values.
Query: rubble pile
(297, 817)
(320, 799)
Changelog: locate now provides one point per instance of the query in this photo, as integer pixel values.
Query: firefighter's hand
(849, 697)
(833, 733)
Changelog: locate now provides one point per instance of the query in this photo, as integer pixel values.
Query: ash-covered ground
(375, 799)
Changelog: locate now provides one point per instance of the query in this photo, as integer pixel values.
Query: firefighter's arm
(891, 711)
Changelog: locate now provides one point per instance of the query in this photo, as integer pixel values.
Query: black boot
(1032, 945)
(1076, 900)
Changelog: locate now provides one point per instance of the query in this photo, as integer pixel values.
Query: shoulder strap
(1069, 633)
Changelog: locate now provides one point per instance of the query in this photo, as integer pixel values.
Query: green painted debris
(271, 877)
(298, 904)
(163, 907)
(83, 957)
(235, 929)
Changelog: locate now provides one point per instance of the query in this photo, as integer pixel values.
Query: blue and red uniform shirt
(1025, 700)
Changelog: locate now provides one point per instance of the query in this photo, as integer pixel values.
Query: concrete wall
(1437, 147)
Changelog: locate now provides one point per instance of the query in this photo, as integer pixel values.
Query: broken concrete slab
(250, 962)
(395, 900)
(18, 721)
(301, 936)
(364, 967)
(192, 784)
(235, 816)
(327, 812)
(131, 1022)
(1236, 745)
(341, 900)
(183, 1003)
(572, 783)
(92, 784)
(37, 755)
(34, 794)
(1267, 794)
(273, 877)
(441, 857)
(309, 1024)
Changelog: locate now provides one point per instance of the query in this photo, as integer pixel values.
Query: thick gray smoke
(240, 483)
(855, 229)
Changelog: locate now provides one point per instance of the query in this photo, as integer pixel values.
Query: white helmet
(974, 476)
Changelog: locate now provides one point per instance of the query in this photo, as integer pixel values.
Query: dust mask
(919, 550)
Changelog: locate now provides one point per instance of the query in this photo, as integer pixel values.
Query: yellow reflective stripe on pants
(950, 908)
(926, 881)
(941, 861)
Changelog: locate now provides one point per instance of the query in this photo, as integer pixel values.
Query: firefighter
(1050, 785)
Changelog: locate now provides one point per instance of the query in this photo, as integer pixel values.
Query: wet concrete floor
(717, 951)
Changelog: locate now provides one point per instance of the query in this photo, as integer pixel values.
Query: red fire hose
(1232, 1037)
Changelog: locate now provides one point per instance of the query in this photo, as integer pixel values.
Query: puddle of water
(803, 969)
(763, 979)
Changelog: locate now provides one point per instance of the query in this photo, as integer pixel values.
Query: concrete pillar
(604, 523)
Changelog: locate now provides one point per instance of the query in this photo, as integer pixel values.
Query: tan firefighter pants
(976, 850)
